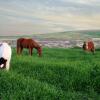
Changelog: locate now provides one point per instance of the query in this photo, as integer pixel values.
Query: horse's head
(85, 46)
(39, 51)
(2, 62)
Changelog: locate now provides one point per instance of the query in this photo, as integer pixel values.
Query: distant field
(83, 34)
(73, 35)
(60, 74)
(92, 33)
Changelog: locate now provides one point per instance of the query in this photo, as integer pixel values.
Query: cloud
(43, 16)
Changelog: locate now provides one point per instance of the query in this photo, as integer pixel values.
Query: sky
(19, 17)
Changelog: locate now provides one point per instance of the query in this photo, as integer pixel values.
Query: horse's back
(90, 45)
(19, 41)
(26, 43)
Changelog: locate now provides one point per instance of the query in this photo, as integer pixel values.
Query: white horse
(5, 55)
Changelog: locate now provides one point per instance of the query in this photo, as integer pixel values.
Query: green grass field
(60, 74)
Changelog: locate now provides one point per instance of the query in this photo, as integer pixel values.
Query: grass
(60, 74)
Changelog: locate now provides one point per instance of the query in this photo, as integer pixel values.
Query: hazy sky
(47, 16)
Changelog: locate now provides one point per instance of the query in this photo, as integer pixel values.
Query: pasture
(60, 74)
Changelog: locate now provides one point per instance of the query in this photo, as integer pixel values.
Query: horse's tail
(19, 41)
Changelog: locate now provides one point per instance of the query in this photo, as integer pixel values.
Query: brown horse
(29, 44)
(89, 46)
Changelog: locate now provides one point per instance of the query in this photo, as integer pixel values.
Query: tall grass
(60, 74)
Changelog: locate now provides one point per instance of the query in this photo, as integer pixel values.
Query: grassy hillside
(83, 34)
(60, 74)
(92, 33)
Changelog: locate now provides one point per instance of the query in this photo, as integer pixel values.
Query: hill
(72, 35)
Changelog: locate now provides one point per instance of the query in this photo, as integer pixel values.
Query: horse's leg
(93, 51)
(18, 50)
(21, 49)
(8, 65)
(29, 51)
(39, 52)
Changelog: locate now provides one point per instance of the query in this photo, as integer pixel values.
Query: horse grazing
(29, 44)
(5, 56)
(89, 46)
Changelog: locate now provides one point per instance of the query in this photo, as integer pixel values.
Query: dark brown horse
(29, 44)
(89, 46)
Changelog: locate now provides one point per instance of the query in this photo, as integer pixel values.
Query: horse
(89, 46)
(29, 44)
(5, 55)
